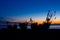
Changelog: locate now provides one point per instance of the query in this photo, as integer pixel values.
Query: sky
(22, 10)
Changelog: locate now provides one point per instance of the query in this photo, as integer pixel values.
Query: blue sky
(24, 9)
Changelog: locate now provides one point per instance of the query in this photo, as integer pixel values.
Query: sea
(28, 27)
(52, 26)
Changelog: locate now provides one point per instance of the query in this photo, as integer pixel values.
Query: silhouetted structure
(47, 23)
(9, 26)
(34, 25)
(45, 26)
(23, 26)
(14, 27)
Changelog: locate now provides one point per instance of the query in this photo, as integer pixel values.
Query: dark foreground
(29, 34)
(37, 32)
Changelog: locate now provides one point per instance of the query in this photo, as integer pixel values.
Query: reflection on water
(18, 27)
(28, 27)
(1, 27)
(55, 27)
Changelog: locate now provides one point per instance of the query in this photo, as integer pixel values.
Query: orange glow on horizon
(53, 21)
(57, 21)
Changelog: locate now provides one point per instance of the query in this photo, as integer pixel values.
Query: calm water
(28, 27)
(54, 27)
(3, 27)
